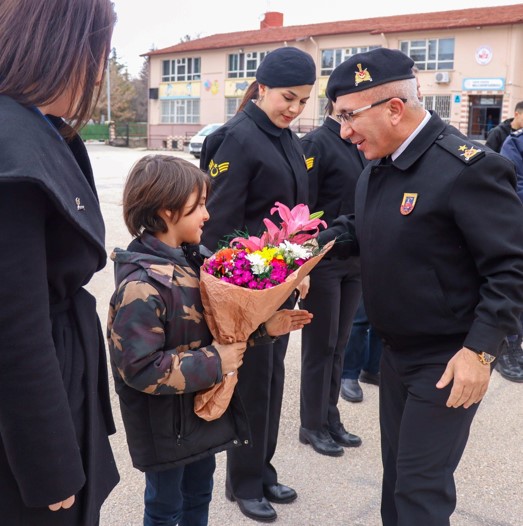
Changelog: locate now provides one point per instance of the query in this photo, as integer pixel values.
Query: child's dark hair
(159, 182)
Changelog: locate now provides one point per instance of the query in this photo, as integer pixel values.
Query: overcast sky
(143, 24)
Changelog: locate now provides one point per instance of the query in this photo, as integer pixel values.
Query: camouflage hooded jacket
(159, 344)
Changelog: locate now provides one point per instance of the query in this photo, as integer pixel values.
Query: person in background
(510, 363)
(255, 161)
(56, 463)
(499, 133)
(362, 355)
(160, 358)
(438, 228)
(334, 166)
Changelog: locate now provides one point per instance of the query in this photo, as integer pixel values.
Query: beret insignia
(362, 75)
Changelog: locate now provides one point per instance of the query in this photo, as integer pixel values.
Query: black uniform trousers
(422, 440)
(333, 298)
(260, 384)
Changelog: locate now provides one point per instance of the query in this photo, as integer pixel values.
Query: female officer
(56, 465)
(255, 160)
(334, 167)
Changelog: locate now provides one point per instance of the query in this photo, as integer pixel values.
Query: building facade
(469, 64)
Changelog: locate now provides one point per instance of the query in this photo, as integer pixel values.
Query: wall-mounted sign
(494, 84)
(179, 90)
(483, 55)
(237, 87)
(457, 99)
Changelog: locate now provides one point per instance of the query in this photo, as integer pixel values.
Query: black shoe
(321, 442)
(257, 509)
(370, 378)
(351, 390)
(279, 493)
(342, 437)
(508, 364)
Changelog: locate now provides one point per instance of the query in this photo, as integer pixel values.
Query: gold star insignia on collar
(468, 151)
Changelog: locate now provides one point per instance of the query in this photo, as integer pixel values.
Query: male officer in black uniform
(333, 167)
(439, 229)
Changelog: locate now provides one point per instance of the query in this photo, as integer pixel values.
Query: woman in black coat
(56, 464)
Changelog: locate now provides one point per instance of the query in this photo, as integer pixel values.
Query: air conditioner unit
(442, 77)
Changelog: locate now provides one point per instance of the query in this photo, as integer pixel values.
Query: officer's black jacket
(253, 164)
(454, 264)
(334, 166)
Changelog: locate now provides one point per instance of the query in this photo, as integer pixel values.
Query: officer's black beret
(366, 70)
(286, 66)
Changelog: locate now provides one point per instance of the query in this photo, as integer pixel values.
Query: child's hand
(65, 504)
(286, 320)
(231, 355)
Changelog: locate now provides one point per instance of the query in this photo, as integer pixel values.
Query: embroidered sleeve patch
(217, 169)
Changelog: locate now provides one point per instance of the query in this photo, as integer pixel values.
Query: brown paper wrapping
(232, 314)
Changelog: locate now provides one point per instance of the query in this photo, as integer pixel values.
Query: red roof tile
(461, 18)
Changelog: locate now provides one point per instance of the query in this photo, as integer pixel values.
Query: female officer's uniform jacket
(253, 164)
(437, 258)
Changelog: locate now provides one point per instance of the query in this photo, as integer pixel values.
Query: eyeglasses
(348, 116)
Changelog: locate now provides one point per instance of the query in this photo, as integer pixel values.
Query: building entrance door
(485, 114)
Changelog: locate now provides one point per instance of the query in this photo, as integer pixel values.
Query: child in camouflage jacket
(161, 350)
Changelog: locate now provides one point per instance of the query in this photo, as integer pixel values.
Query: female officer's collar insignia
(309, 163)
(408, 203)
(468, 152)
(362, 75)
(217, 169)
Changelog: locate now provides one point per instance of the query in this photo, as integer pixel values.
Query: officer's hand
(471, 379)
(287, 320)
(304, 286)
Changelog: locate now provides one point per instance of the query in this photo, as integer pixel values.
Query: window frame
(182, 69)
(428, 55)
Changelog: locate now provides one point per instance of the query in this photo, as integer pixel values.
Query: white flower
(258, 265)
(293, 251)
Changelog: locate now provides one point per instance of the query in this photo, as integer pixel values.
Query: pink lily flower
(297, 226)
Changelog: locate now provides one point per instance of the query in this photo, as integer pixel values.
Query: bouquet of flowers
(244, 284)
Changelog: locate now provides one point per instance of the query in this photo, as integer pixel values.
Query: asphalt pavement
(343, 491)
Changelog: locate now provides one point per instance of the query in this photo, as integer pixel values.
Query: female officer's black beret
(286, 66)
(366, 70)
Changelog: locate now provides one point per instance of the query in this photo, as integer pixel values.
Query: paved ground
(342, 491)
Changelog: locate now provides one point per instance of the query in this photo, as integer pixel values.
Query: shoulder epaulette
(463, 149)
(517, 133)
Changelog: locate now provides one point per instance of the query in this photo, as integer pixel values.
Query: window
(440, 104)
(430, 54)
(231, 107)
(330, 58)
(181, 69)
(180, 111)
(243, 65)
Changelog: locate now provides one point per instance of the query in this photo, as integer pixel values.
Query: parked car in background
(195, 145)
